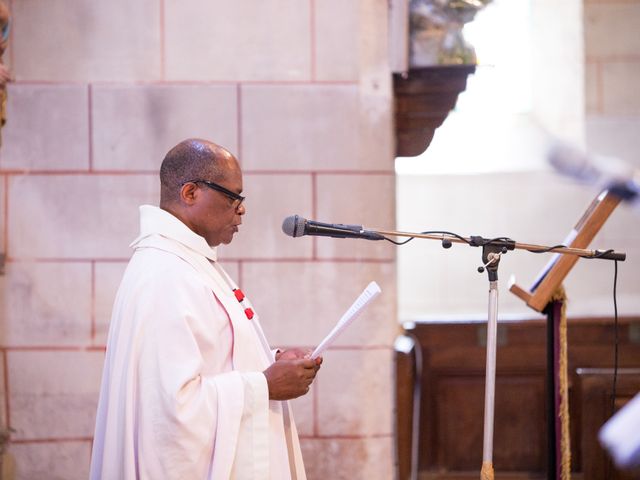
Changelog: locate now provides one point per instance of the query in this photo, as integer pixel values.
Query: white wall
(529, 207)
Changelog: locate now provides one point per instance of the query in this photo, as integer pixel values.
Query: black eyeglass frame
(214, 186)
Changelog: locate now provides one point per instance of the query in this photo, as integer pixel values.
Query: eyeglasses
(237, 199)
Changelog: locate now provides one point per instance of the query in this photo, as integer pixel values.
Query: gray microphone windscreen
(293, 226)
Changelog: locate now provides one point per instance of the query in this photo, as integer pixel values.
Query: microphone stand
(492, 250)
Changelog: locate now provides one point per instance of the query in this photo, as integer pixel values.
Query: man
(190, 388)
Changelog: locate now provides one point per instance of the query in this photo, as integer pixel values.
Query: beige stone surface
(337, 32)
(619, 80)
(45, 304)
(367, 200)
(356, 393)
(134, 126)
(3, 217)
(204, 40)
(76, 216)
(610, 28)
(314, 127)
(300, 302)
(83, 40)
(232, 268)
(614, 135)
(348, 458)
(3, 394)
(593, 86)
(557, 69)
(286, 130)
(54, 394)
(270, 199)
(303, 410)
(47, 128)
(52, 460)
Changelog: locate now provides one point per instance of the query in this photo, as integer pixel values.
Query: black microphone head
(294, 226)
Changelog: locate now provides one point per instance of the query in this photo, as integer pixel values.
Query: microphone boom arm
(475, 241)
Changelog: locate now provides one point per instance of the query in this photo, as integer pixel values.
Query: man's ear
(189, 193)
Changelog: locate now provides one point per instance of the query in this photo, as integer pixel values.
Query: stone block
(47, 128)
(270, 199)
(242, 45)
(337, 40)
(593, 87)
(300, 302)
(134, 126)
(46, 304)
(3, 393)
(367, 200)
(609, 27)
(303, 410)
(348, 458)
(315, 127)
(68, 460)
(83, 40)
(232, 269)
(107, 280)
(614, 135)
(3, 216)
(54, 394)
(355, 393)
(99, 214)
(619, 84)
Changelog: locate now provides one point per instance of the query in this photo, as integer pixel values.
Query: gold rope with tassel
(563, 380)
(487, 471)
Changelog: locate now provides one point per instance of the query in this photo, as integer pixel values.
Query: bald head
(192, 159)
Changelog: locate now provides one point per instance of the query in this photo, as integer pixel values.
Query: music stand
(540, 298)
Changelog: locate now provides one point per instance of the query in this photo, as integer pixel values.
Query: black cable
(398, 243)
(451, 234)
(609, 464)
(433, 232)
(546, 250)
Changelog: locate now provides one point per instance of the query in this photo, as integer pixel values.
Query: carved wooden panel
(423, 99)
(452, 399)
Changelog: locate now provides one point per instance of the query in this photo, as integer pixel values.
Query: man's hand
(290, 378)
(293, 354)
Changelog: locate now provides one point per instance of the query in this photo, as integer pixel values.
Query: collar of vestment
(156, 221)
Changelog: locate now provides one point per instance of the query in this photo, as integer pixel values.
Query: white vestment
(183, 395)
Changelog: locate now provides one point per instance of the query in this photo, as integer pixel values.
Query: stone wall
(300, 91)
(612, 74)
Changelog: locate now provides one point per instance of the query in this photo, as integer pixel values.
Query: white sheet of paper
(369, 293)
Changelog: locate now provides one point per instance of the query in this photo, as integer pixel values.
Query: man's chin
(227, 240)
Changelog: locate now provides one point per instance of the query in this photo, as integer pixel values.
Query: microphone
(297, 226)
(623, 180)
